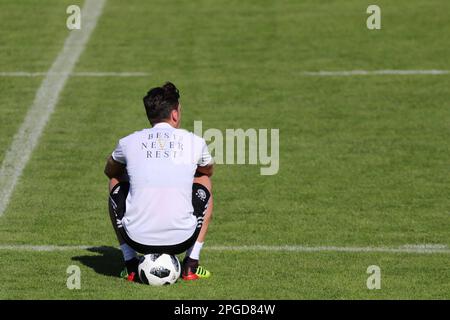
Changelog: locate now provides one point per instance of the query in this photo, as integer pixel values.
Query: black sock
(132, 265)
(191, 263)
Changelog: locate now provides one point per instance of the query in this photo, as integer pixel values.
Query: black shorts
(117, 205)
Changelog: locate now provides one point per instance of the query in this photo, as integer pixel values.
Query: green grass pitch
(363, 159)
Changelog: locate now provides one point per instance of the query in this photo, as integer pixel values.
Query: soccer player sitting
(160, 189)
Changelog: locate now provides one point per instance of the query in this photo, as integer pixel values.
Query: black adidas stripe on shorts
(117, 204)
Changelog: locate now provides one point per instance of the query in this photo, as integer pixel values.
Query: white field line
(74, 74)
(403, 249)
(44, 103)
(417, 249)
(373, 73)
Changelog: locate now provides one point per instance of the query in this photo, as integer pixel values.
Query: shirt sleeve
(205, 157)
(119, 153)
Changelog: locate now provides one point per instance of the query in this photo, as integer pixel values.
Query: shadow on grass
(109, 262)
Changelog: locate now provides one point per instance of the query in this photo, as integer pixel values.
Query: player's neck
(172, 123)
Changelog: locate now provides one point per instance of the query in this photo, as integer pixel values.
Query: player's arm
(205, 163)
(114, 169)
(206, 170)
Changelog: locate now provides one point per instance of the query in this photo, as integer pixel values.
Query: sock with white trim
(194, 251)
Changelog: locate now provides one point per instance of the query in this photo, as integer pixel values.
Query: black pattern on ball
(143, 277)
(160, 272)
(175, 262)
(154, 256)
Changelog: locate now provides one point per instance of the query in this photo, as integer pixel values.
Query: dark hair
(160, 101)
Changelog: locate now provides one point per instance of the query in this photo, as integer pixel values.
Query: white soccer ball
(159, 269)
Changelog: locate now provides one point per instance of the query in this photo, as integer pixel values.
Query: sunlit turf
(363, 160)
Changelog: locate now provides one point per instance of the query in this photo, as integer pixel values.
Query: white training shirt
(161, 163)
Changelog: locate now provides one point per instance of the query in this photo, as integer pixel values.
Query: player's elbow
(112, 169)
(209, 173)
(108, 172)
(205, 171)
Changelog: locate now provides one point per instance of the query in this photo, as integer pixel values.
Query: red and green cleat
(132, 277)
(192, 271)
(200, 273)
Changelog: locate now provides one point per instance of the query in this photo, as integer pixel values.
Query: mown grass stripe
(418, 249)
(74, 74)
(373, 73)
(306, 73)
(27, 137)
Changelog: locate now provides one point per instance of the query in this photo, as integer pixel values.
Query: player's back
(161, 163)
